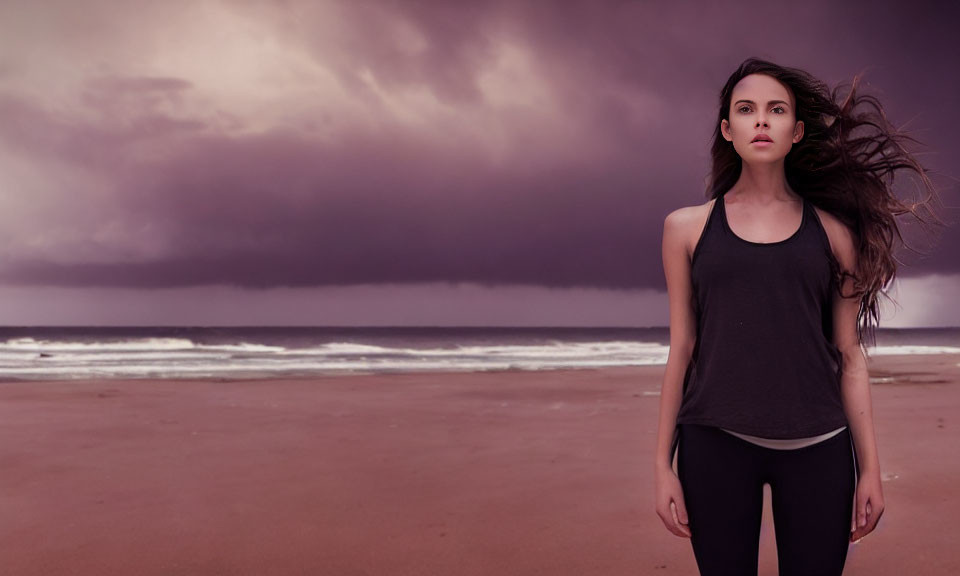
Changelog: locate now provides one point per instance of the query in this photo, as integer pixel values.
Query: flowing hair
(849, 176)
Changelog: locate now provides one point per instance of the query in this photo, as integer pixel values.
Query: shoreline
(879, 366)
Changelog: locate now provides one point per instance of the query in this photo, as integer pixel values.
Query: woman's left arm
(857, 402)
(855, 388)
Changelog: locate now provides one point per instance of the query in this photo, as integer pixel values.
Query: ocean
(45, 353)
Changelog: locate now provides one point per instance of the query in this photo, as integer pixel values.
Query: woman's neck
(763, 185)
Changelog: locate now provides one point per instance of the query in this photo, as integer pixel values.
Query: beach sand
(495, 473)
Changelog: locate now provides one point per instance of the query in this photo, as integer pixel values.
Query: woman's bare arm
(669, 502)
(855, 385)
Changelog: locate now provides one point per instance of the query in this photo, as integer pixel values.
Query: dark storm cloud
(538, 143)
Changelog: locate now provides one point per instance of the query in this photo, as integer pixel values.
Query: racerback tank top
(763, 363)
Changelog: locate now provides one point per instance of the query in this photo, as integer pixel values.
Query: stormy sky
(408, 163)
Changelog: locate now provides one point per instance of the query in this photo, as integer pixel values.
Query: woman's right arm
(676, 265)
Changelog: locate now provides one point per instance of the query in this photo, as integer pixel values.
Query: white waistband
(786, 444)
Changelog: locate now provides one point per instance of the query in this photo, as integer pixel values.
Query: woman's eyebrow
(768, 103)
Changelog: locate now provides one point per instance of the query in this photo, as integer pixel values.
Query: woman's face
(760, 104)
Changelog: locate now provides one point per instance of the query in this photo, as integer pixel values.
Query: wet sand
(496, 473)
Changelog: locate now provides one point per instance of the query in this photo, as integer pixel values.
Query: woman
(772, 284)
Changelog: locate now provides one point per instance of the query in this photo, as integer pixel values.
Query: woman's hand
(869, 506)
(670, 505)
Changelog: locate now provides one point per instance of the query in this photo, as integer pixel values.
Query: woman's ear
(725, 130)
(798, 132)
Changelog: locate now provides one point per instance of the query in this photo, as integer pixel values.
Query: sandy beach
(496, 473)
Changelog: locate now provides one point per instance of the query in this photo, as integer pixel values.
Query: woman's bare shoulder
(689, 222)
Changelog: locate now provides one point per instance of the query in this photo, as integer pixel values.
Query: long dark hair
(846, 175)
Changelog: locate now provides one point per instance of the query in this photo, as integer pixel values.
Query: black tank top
(764, 363)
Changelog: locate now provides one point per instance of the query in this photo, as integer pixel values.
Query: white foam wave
(30, 344)
(253, 368)
(558, 349)
(909, 349)
(175, 357)
(148, 344)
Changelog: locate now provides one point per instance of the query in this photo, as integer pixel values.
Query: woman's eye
(742, 108)
(782, 111)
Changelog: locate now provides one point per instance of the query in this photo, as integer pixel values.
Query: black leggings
(813, 496)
